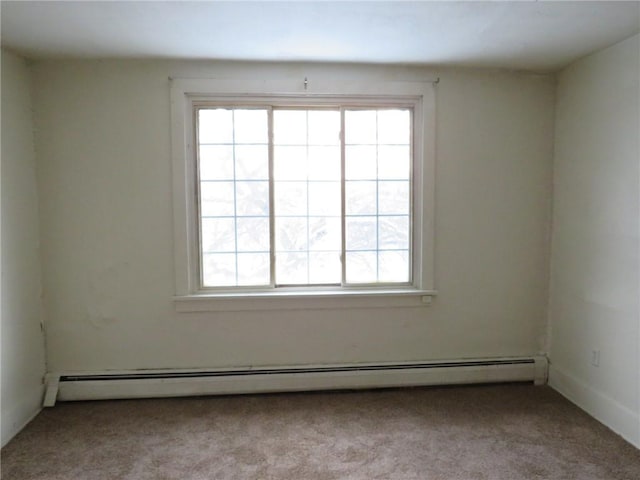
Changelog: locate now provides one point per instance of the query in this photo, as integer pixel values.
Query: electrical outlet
(595, 358)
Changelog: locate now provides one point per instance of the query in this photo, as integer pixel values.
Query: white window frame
(185, 93)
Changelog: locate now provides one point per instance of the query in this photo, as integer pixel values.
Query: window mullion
(377, 204)
(307, 181)
(343, 255)
(272, 222)
(196, 191)
(235, 191)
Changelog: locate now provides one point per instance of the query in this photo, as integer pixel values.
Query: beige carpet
(484, 432)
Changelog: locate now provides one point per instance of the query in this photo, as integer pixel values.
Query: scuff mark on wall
(105, 294)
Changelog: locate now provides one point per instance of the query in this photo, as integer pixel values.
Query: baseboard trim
(603, 408)
(173, 383)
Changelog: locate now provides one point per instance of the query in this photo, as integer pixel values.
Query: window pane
(360, 127)
(252, 198)
(360, 198)
(234, 196)
(378, 195)
(218, 235)
(393, 232)
(307, 195)
(215, 126)
(324, 233)
(216, 162)
(290, 198)
(324, 267)
(360, 233)
(324, 198)
(361, 267)
(290, 127)
(291, 234)
(324, 127)
(393, 198)
(393, 266)
(216, 199)
(324, 163)
(250, 126)
(360, 163)
(218, 270)
(252, 162)
(253, 268)
(292, 268)
(394, 127)
(394, 162)
(253, 234)
(290, 163)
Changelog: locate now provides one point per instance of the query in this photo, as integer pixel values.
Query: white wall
(106, 222)
(595, 286)
(22, 357)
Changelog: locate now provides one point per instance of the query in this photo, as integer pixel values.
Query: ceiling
(527, 35)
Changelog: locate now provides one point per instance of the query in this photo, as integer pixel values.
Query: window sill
(303, 300)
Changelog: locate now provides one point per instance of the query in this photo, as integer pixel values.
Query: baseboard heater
(177, 383)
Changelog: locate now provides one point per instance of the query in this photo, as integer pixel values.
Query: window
(296, 239)
(324, 191)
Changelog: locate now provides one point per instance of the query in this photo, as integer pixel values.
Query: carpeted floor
(505, 432)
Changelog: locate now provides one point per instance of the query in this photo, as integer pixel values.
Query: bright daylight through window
(302, 196)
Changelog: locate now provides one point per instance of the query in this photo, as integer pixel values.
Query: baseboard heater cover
(177, 383)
